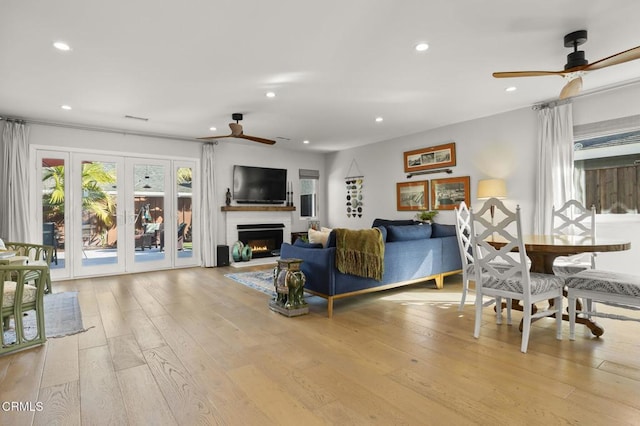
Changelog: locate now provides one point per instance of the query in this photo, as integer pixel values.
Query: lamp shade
(488, 188)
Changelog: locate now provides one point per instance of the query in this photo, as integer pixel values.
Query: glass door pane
(184, 184)
(186, 213)
(149, 228)
(54, 201)
(99, 209)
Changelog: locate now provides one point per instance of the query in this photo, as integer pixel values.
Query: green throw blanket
(360, 252)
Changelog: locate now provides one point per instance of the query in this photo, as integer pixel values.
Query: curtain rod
(552, 103)
(98, 129)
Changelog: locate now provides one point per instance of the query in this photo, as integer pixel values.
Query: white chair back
(572, 218)
(463, 232)
(507, 230)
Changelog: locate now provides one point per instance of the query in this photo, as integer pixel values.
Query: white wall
(503, 145)
(228, 153)
(111, 142)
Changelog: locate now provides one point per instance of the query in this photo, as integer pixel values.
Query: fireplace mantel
(258, 208)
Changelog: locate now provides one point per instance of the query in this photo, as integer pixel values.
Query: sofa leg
(440, 282)
(330, 306)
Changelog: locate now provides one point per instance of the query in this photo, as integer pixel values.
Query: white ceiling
(335, 65)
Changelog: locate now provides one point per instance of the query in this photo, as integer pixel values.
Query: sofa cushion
(439, 230)
(408, 232)
(304, 244)
(387, 222)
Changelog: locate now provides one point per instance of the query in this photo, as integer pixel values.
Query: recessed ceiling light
(271, 95)
(379, 119)
(421, 47)
(305, 141)
(61, 45)
(213, 129)
(511, 89)
(66, 107)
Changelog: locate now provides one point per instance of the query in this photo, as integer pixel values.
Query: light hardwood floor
(193, 347)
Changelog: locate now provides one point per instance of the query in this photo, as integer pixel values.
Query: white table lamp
(492, 188)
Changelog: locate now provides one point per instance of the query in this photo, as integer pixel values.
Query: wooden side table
(288, 281)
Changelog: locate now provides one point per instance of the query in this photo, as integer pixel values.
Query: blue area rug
(62, 317)
(257, 280)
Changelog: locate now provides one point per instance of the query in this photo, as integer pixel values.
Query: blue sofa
(413, 253)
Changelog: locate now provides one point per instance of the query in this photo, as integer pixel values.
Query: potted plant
(426, 215)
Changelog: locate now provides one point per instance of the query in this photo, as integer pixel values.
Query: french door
(113, 214)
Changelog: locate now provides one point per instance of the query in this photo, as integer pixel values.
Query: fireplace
(264, 239)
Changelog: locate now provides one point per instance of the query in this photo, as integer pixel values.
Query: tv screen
(259, 185)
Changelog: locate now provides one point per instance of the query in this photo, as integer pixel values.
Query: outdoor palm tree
(95, 201)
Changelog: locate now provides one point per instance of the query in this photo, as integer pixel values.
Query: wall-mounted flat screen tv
(259, 185)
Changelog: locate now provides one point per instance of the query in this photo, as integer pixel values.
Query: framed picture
(446, 194)
(413, 195)
(430, 158)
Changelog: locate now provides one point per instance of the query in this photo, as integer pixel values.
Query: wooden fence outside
(613, 189)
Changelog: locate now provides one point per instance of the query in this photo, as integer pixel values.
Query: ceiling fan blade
(215, 137)
(510, 74)
(256, 139)
(618, 58)
(572, 88)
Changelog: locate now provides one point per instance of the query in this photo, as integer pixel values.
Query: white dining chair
(463, 233)
(572, 218)
(513, 281)
(607, 287)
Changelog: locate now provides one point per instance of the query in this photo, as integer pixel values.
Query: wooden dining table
(544, 249)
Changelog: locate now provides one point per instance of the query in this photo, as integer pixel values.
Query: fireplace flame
(259, 248)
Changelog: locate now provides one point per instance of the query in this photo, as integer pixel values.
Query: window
(607, 165)
(309, 192)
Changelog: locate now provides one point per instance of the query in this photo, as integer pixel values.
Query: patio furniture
(37, 255)
(17, 297)
(50, 238)
(143, 239)
(181, 231)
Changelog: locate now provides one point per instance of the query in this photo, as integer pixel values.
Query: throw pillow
(397, 222)
(439, 230)
(319, 237)
(383, 231)
(409, 232)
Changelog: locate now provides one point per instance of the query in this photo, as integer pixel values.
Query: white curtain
(14, 183)
(555, 163)
(210, 208)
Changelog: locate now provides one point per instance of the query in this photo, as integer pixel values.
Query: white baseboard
(256, 262)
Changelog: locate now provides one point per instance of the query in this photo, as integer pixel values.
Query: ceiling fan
(236, 132)
(576, 65)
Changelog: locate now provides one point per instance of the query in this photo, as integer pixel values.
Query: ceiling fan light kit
(577, 65)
